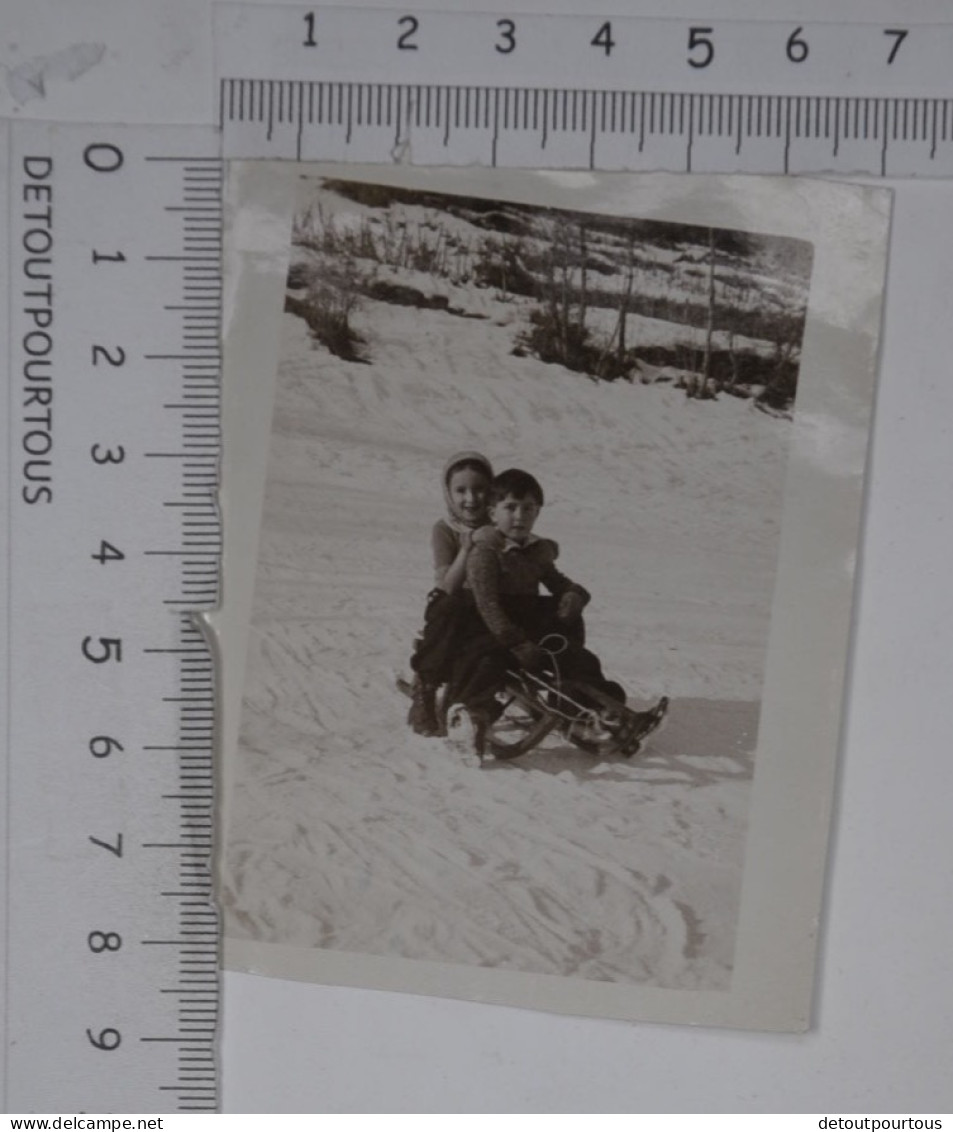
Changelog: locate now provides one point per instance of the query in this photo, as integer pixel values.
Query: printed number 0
(103, 157)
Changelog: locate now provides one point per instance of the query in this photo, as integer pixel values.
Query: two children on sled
(486, 614)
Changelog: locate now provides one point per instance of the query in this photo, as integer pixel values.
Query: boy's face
(515, 518)
(468, 491)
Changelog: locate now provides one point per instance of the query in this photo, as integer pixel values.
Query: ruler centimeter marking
(113, 540)
(633, 93)
(586, 129)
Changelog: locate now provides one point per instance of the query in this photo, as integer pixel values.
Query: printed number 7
(899, 34)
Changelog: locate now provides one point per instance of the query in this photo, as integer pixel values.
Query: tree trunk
(710, 327)
(583, 279)
(624, 302)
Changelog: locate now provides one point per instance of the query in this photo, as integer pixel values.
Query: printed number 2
(412, 25)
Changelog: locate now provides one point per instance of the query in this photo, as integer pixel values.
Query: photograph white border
(772, 984)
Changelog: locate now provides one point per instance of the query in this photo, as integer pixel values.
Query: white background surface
(883, 1035)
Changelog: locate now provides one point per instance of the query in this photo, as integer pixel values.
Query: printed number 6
(797, 48)
(108, 1039)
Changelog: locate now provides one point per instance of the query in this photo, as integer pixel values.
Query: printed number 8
(104, 941)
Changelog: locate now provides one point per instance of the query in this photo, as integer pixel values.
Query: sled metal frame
(533, 707)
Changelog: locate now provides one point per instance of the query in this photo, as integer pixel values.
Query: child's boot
(422, 716)
(466, 733)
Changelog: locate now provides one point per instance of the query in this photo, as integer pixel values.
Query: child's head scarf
(449, 468)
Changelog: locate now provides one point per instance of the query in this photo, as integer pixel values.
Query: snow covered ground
(347, 832)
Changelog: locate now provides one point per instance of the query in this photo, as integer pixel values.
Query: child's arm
(573, 597)
(483, 575)
(449, 557)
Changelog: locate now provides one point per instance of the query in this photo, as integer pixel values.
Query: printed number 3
(508, 36)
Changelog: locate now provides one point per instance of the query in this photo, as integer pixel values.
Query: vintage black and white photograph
(516, 576)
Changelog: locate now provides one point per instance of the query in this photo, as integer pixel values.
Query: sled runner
(592, 721)
(532, 706)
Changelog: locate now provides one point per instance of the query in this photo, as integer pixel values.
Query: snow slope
(350, 833)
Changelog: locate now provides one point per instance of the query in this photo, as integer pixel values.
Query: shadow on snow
(702, 742)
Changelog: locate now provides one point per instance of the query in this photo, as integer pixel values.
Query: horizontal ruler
(113, 244)
(507, 49)
(585, 129)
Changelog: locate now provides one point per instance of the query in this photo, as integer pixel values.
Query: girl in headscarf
(467, 477)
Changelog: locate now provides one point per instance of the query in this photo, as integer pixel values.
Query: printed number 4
(107, 553)
(603, 38)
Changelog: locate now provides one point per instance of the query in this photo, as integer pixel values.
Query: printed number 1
(309, 40)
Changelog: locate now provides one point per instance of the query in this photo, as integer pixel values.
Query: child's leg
(435, 648)
(548, 622)
(432, 659)
(577, 663)
(475, 687)
(478, 671)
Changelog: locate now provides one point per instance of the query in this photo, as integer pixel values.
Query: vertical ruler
(111, 542)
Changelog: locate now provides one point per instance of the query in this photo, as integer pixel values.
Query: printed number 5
(698, 37)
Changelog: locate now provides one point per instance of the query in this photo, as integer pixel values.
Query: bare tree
(583, 276)
(706, 387)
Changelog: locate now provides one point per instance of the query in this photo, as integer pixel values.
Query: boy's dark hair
(519, 484)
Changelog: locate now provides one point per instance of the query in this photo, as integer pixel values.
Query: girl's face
(468, 490)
